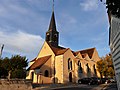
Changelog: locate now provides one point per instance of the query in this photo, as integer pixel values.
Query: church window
(88, 69)
(94, 69)
(46, 74)
(69, 64)
(78, 63)
(48, 37)
(80, 68)
(55, 37)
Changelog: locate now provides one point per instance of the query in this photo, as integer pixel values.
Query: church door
(32, 75)
(70, 77)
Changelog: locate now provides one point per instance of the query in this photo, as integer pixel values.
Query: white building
(115, 45)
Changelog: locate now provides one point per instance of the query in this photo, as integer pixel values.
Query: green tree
(18, 63)
(113, 7)
(14, 66)
(5, 64)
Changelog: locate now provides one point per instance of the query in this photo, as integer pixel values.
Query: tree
(105, 66)
(5, 63)
(18, 64)
(14, 66)
(101, 67)
(113, 7)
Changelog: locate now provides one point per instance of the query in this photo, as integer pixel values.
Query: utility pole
(1, 50)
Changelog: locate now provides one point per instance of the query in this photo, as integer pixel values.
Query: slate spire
(52, 34)
(52, 25)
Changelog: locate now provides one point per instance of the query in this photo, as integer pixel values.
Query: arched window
(94, 69)
(88, 69)
(48, 37)
(55, 37)
(78, 63)
(79, 67)
(46, 74)
(69, 64)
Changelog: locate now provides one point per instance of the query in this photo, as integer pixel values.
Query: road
(76, 88)
(80, 87)
(111, 86)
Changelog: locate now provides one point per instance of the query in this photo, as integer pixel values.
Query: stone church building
(56, 64)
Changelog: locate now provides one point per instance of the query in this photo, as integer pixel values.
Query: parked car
(94, 80)
(84, 81)
(112, 80)
(103, 80)
(107, 81)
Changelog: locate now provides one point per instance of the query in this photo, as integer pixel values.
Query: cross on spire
(53, 5)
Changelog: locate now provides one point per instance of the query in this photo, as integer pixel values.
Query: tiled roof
(39, 62)
(33, 60)
(58, 50)
(89, 51)
(75, 53)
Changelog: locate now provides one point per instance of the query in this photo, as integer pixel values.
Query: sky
(81, 24)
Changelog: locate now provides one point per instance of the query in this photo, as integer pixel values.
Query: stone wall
(15, 84)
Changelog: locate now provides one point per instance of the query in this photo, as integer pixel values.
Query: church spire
(52, 25)
(52, 34)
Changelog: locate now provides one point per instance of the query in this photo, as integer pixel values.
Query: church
(56, 64)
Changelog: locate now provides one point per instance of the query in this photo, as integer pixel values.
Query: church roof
(39, 62)
(33, 60)
(75, 53)
(89, 51)
(58, 50)
(52, 25)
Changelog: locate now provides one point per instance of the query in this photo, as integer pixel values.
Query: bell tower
(52, 35)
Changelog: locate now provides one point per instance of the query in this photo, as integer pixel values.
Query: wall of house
(39, 73)
(96, 58)
(41, 77)
(68, 54)
(45, 51)
(115, 46)
(76, 70)
(59, 69)
(83, 62)
(28, 76)
(35, 76)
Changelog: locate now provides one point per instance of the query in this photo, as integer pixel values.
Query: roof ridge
(87, 49)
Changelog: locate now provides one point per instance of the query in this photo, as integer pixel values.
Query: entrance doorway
(70, 77)
(32, 75)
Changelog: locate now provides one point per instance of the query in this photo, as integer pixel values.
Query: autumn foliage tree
(105, 66)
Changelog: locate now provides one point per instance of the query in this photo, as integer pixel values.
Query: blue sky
(23, 23)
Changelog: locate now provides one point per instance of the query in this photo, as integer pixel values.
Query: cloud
(89, 5)
(20, 42)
